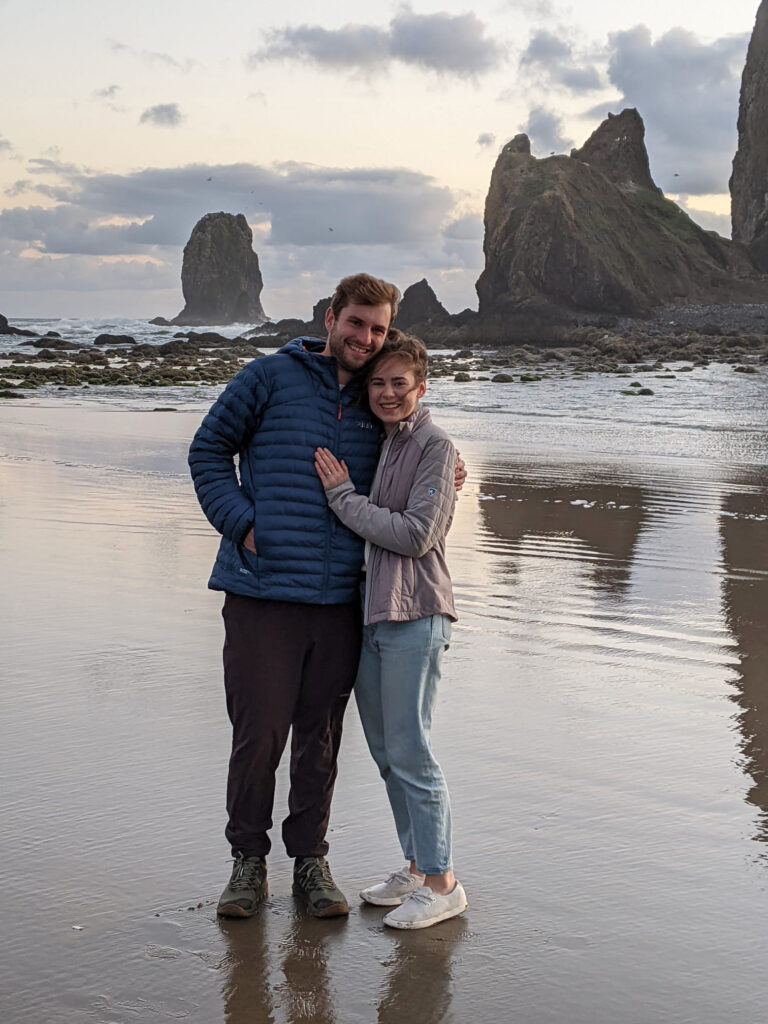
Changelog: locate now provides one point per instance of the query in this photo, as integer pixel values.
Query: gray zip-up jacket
(405, 521)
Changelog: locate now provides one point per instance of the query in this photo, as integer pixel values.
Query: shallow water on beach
(603, 724)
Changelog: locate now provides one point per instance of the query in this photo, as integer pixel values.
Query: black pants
(286, 666)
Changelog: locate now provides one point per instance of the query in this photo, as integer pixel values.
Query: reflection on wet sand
(271, 979)
(419, 985)
(306, 993)
(607, 519)
(744, 533)
(247, 991)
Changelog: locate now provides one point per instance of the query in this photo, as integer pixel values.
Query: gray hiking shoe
(246, 889)
(313, 882)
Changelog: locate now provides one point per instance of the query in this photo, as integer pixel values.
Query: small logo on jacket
(431, 491)
(364, 425)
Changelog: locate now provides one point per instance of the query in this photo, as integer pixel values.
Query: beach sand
(603, 725)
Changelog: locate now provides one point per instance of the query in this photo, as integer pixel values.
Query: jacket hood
(308, 350)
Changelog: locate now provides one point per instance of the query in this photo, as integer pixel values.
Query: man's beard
(336, 345)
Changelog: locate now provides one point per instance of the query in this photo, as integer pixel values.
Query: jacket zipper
(376, 552)
(330, 527)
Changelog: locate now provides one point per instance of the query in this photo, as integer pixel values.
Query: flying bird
(209, 179)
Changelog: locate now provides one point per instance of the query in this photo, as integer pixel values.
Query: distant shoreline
(693, 335)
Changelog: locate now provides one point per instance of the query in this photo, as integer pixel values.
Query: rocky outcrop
(564, 236)
(420, 308)
(5, 328)
(617, 149)
(749, 180)
(220, 275)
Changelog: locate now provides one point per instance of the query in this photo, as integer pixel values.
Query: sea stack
(749, 180)
(591, 232)
(220, 275)
(420, 308)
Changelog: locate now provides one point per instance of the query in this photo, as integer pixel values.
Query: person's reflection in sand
(745, 600)
(419, 984)
(247, 994)
(306, 992)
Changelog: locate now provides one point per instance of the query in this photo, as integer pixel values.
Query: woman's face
(393, 392)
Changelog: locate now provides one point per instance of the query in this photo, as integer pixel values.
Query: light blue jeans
(396, 689)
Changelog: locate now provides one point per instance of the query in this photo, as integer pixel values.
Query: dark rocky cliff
(749, 181)
(220, 275)
(592, 233)
(420, 308)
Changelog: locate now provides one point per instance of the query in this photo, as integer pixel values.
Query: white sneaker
(393, 890)
(424, 907)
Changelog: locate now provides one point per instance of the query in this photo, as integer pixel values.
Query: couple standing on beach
(316, 498)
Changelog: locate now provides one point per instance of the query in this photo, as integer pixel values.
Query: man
(290, 573)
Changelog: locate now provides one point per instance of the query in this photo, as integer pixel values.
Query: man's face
(357, 334)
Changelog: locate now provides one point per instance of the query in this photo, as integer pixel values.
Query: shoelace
(244, 874)
(422, 895)
(318, 874)
(400, 876)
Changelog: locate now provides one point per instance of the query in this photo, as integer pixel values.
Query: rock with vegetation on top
(749, 180)
(564, 235)
(220, 274)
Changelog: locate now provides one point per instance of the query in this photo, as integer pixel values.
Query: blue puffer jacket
(273, 414)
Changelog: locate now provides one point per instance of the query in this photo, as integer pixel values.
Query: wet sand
(603, 724)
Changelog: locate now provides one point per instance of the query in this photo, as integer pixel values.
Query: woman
(408, 610)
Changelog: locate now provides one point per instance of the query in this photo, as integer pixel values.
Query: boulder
(114, 339)
(420, 306)
(220, 275)
(564, 237)
(5, 328)
(749, 180)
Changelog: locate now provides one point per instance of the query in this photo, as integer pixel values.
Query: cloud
(395, 222)
(545, 47)
(719, 222)
(5, 146)
(108, 95)
(124, 214)
(687, 92)
(445, 43)
(185, 65)
(551, 58)
(545, 130)
(486, 139)
(537, 9)
(164, 115)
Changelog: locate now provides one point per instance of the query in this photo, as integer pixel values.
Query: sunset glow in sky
(352, 137)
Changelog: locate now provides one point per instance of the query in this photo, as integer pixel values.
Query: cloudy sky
(351, 136)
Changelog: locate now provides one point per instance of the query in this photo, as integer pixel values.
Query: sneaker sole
(381, 901)
(413, 925)
(334, 910)
(233, 910)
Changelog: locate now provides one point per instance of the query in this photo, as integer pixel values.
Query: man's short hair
(408, 347)
(364, 290)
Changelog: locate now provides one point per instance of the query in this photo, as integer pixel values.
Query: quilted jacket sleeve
(427, 514)
(224, 432)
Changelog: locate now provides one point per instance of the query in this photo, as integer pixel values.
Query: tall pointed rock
(220, 274)
(749, 181)
(591, 232)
